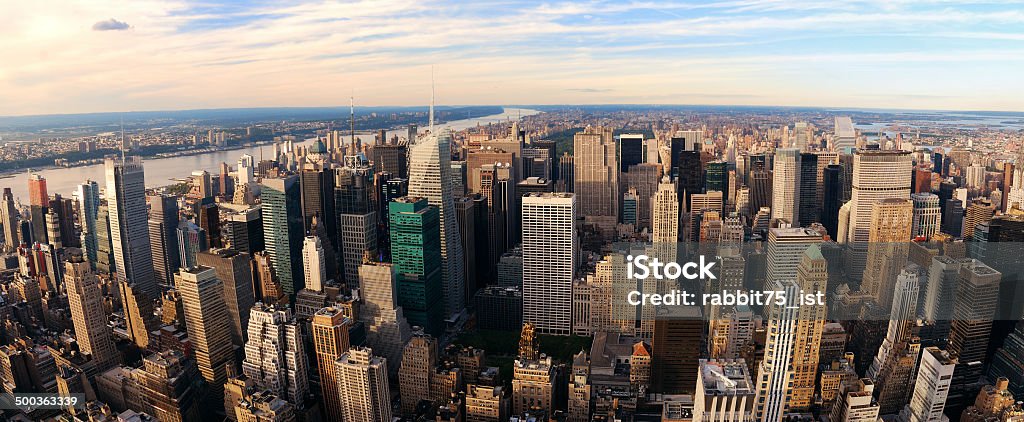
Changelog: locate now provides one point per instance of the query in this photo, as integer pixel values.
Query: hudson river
(164, 171)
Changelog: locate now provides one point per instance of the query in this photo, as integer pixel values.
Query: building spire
(122, 140)
(432, 100)
(352, 117)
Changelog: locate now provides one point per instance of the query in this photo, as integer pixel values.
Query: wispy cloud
(180, 54)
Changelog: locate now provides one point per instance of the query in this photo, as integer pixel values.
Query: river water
(165, 171)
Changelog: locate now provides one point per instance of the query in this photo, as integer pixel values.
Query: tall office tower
(845, 137)
(927, 215)
(313, 262)
(415, 251)
(391, 158)
(550, 249)
(809, 190)
(129, 231)
(566, 173)
(774, 375)
(536, 162)
(207, 216)
(363, 386)
(665, 214)
(330, 341)
(894, 363)
(630, 150)
(786, 248)
(191, 240)
(1006, 363)
(418, 360)
(974, 308)
(283, 230)
(877, 175)
(645, 179)
(53, 228)
(786, 186)
(675, 350)
(940, 294)
(855, 402)
(234, 270)
(596, 175)
(275, 355)
(429, 168)
(812, 276)
(887, 248)
(533, 386)
(357, 217)
(163, 237)
(9, 219)
(978, 212)
(934, 378)
(497, 190)
(244, 231)
(629, 208)
(724, 391)
(104, 246)
(138, 315)
(207, 322)
(39, 200)
(580, 388)
(387, 328)
(975, 177)
(716, 178)
(922, 182)
(473, 233)
(316, 182)
(168, 381)
(64, 210)
(88, 315)
(801, 136)
(832, 199)
(760, 190)
(953, 217)
(202, 184)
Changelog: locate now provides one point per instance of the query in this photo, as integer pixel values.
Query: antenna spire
(431, 99)
(352, 120)
(123, 158)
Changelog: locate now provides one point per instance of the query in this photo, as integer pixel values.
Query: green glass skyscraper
(283, 230)
(416, 257)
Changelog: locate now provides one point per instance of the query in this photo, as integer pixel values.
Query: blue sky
(106, 55)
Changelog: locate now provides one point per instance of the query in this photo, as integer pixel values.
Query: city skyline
(182, 55)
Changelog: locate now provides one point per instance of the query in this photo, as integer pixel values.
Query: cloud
(110, 25)
(589, 90)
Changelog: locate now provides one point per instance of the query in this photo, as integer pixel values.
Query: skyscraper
(845, 137)
(129, 228)
(877, 175)
(9, 219)
(234, 270)
(163, 224)
(275, 355)
(283, 230)
(330, 341)
(786, 186)
(596, 175)
(550, 248)
(810, 192)
(313, 262)
(927, 215)
(415, 251)
(168, 384)
(206, 319)
(832, 197)
(896, 358)
(934, 377)
(88, 315)
(631, 150)
(191, 240)
(429, 173)
(363, 386)
(724, 391)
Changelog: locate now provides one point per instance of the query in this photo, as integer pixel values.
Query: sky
(60, 56)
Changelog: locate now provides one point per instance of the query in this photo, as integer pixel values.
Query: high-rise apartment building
(275, 355)
(934, 377)
(550, 249)
(363, 386)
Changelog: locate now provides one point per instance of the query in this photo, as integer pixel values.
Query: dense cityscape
(432, 272)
